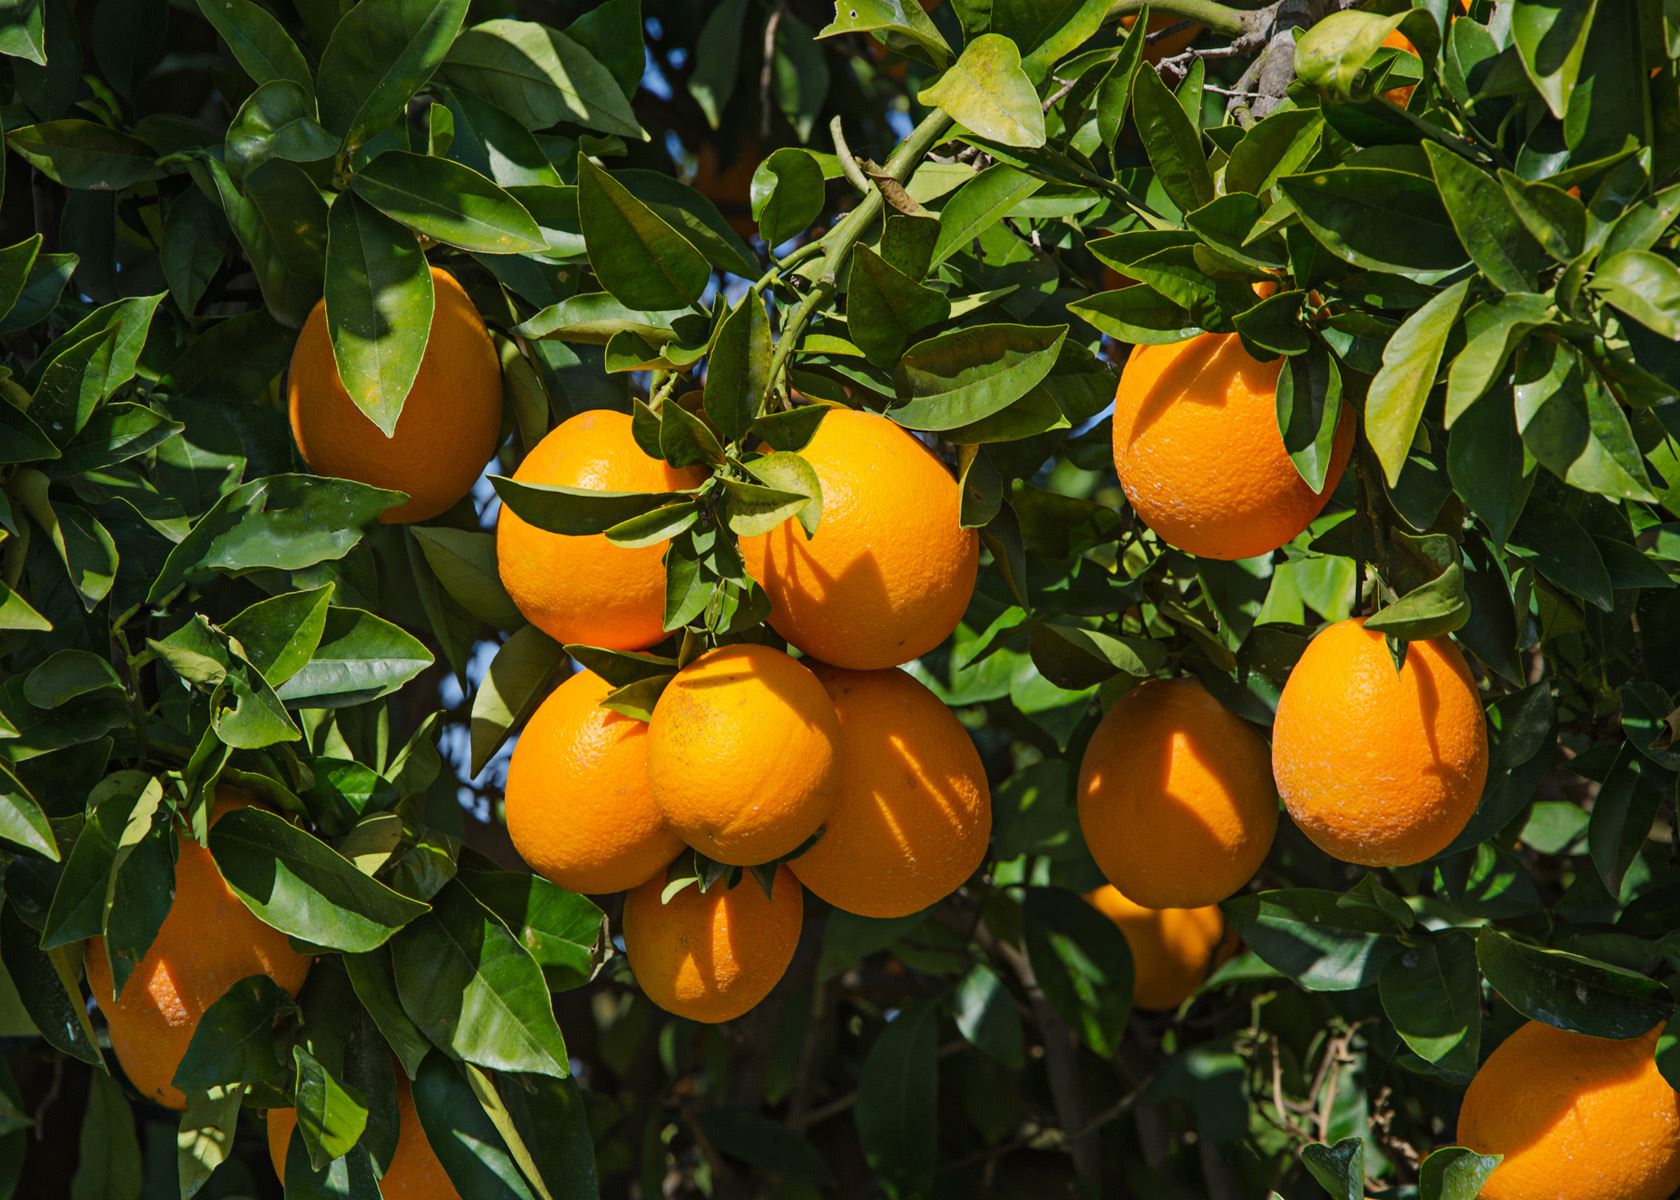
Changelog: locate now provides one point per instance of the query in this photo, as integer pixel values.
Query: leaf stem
(838, 242)
(1220, 18)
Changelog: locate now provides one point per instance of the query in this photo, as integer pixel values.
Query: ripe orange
(1402, 95)
(711, 956)
(414, 1172)
(1173, 949)
(1379, 767)
(1169, 46)
(450, 422)
(1574, 1116)
(207, 943)
(914, 812)
(1175, 798)
(584, 588)
(890, 571)
(1198, 451)
(743, 754)
(579, 807)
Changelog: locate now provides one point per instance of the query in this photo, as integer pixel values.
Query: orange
(743, 753)
(710, 956)
(1574, 1116)
(1169, 46)
(579, 807)
(583, 588)
(207, 943)
(1197, 448)
(1173, 949)
(1402, 95)
(414, 1172)
(1378, 767)
(1175, 798)
(450, 423)
(914, 812)
(890, 570)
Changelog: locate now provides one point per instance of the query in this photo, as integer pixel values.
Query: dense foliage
(962, 219)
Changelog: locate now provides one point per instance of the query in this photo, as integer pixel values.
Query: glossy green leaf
(1570, 991)
(260, 44)
(540, 76)
(639, 257)
(84, 154)
(380, 54)
(986, 91)
(959, 377)
(449, 202)
(361, 657)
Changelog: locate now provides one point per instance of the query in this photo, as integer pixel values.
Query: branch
(846, 232)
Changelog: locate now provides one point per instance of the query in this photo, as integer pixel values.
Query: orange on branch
(743, 754)
(1379, 767)
(207, 943)
(583, 588)
(450, 421)
(578, 803)
(711, 956)
(1574, 1116)
(1199, 453)
(914, 812)
(890, 570)
(1173, 949)
(1175, 796)
(414, 1172)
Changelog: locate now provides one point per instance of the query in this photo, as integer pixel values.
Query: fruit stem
(838, 242)
(1220, 18)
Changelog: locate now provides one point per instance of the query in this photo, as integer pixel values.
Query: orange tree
(927, 448)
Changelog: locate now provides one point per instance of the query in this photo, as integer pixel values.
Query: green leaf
(1279, 145)
(467, 1124)
(790, 473)
(1339, 1169)
(370, 976)
(1332, 54)
(958, 378)
(280, 634)
(234, 1041)
(638, 256)
(1377, 218)
(1557, 220)
(466, 981)
(85, 155)
(565, 932)
(1082, 963)
(285, 521)
(898, 1101)
(42, 288)
(21, 35)
(66, 675)
(108, 1165)
(900, 25)
(694, 216)
(1454, 1173)
(575, 511)
(72, 385)
(986, 1015)
(885, 308)
(716, 55)
(1571, 992)
(764, 1142)
(361, 657)
(755, 510)
(22, 821)
(1643, 285)
(281, 222)
(516, 682)
(1431, 993)
(989, 94)
(259, 42)
(1309, 408)
(540, 77)
(1485, 222)
(492, 143)
(381, 53)
(1551, 37)
(1430, 610)
(978, 205)
(302, 886)
(738, 371)
(1312, 938)
(1172, 141)
(1622, 815)
(1573, 424)
(379, 307)
(1492, 330)
(465, 564)
(787, 194)
(331, 1116)
(1136, 314)
(78, 905)
(277, 121)
(799, 74)
(114, 433)
(1410, 361)
(16, 262)
(447, 201)
(1073, 657)
(47, 985)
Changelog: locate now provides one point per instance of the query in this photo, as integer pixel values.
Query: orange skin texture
(450, 423)
(890, 571)
(579, 806)
(414, 1172)
(1175, 796)
(1378, 768)
(712, 956)
(914, 813)
(743, 754)
(1575, 1116)
(583, 588)
(1173, 949)
(207, 943)
(1199, 455)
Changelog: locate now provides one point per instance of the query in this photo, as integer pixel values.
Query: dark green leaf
(361, 657)
(85, 155)
(539, 76)
(1082, 963)
(1571, 992)
(381, 53)
(898, 1097)
(738, 372)
(234, 1041)
(449, 202)
(1311, 937)
(639, 257)
(259, 42)
(958, 378)
(1173, 143)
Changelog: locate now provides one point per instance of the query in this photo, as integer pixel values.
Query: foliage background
(1487, 276)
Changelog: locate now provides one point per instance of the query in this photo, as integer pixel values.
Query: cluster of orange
(750, 753)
